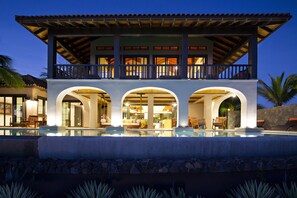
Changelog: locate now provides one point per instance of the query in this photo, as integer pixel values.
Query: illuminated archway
(90, 99)
(157, 106)
(210, 99)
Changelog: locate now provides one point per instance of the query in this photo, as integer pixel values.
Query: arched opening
(149, 108)
(84, 107)
(204, 104)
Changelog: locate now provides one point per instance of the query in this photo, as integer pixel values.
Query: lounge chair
(260, 123)
(219, 122)
(291, 125)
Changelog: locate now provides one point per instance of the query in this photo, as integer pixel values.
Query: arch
(86, 104)
(154, 88)
(214, 107)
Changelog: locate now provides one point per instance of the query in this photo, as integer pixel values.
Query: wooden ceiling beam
(70, 50)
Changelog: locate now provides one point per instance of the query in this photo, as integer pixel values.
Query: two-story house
(150, 70)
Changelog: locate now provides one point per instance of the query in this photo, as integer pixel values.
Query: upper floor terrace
(145, 46)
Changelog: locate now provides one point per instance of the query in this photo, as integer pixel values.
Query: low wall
(18, 147)
(272, 116)
(164, 148)
(277, 115)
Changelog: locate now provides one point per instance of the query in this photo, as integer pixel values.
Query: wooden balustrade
(92, 71)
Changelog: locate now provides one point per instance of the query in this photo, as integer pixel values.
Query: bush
(91, 189)
(141, 192)
(16, 190)
(285, 191)
(251, 189)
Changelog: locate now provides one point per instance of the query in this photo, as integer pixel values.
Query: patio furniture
(219, 122)
(291, 125)
(260, 123)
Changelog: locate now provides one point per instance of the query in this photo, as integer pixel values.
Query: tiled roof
(239, 15)
(30, 81)
(75, 46)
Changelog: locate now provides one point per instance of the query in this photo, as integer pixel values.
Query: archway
(83, 106)
(204, 104)
(150, 107)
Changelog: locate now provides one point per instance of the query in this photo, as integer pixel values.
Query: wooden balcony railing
(150, 71)
(85, 71)
(219, 72)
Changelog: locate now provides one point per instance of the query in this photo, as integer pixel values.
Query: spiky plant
(172, 194)
(90, 189)
(141, 192)
(16, 190)
(286, 191)
(251, 189)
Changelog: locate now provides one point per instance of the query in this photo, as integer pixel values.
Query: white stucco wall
(183, 89)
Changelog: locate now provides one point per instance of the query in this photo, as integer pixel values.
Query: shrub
(16, 190)
(251, 189)
(91, 189)
(285, 191)
(179, 194)
(141, 192)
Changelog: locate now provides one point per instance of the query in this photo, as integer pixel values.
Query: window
(197, 48)
(105, 70)
(135, 66)
(194, 69)
(103, 48)
(167, 48)
(136, 47)
(167, 66)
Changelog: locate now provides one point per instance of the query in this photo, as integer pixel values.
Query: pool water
(141, 133)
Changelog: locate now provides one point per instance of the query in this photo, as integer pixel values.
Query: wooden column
(51, 55)
(253, 55)
(116, 53)
(184, 62)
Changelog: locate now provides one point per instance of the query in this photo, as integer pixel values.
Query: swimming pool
(141, 133)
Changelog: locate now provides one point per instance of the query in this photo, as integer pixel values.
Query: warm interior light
(174, 104)
(127, 104)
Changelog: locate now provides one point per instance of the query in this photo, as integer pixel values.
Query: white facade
(181, 89)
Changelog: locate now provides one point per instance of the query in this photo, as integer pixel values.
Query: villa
(150, 70)
(25, 106)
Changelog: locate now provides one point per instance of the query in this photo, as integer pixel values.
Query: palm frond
(10, 77)
(279, 92)
(141, 192)
(16, 190)
(5, 60)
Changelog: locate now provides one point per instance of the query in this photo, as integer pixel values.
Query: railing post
(116, 53)
(253, 55)
(51, 55)
(185, 44)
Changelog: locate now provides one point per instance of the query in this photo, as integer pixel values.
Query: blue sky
(277, 53)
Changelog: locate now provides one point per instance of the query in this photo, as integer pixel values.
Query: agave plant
(251, 189)
(141, 192)
(179, 194)
(286, 191)
(91, 189)
(16, 190)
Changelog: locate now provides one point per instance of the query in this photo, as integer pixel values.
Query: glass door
(167, 66)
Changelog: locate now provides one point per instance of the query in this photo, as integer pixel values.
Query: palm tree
(279, 92)
(8, 75)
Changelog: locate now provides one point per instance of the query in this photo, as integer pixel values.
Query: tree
(8, 75)
(279, 92)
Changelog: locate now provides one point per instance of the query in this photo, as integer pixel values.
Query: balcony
(93, 71)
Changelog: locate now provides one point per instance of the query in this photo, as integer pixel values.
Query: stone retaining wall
(272, 116)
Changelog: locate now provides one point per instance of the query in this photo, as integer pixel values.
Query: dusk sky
(276, 54)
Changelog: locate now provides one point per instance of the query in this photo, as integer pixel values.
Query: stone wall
(277, 115)
(272, 116)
